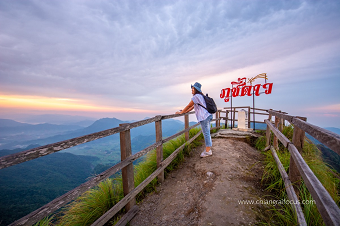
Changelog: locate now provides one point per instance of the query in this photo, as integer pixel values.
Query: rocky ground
(207, 191)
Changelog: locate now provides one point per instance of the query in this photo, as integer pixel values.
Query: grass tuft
(94, 203)
(44, 222)
(271, 179)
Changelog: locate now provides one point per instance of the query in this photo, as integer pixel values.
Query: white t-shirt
(201, 112)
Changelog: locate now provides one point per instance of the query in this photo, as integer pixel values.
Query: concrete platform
(232, 133)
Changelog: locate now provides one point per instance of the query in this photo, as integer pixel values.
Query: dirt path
(206, 191)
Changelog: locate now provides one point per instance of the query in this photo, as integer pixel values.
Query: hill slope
(30, 185)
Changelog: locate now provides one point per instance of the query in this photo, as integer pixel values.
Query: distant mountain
(333, 129)
(169, 127)
(10, 123)
(84, 123)
(315, 141)
(58, 119)
(28, 186)
(97, 126)
(140, 142)
(102, 124)
(329, 156)
(14, 133)
(5, 152)
(259, 126)
(42, 128)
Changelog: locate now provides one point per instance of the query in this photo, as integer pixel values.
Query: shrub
(95, 202)
(271, 179)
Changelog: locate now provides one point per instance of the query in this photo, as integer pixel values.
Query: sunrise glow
(52, 103)
(327, 108)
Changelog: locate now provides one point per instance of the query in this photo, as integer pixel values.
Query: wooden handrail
(179, 133)
(289, 118)
(17, 158)
(176, 115)
(328, 138)
(284, 140)
(250, 112)
(329, 212)
(20, 157)
(61, 201)
(289, 189)
(14, 159)
(109, 214)
(259, 109)
(328, 209)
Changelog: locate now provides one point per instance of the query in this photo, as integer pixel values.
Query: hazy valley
(28, 186)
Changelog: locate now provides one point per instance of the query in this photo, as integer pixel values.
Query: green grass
(95, 202)
(271, 179)
(92, 204)
(45, 222)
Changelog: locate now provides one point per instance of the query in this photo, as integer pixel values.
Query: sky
(132, 59)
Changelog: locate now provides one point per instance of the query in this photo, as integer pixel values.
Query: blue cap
(197, 86)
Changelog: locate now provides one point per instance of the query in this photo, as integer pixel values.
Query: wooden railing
(251, 112)
(125, 165)
(325, 204)
(298, 168)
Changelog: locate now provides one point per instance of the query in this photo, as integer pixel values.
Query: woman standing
(202, 115)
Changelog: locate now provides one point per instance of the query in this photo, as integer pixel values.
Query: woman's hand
(188, 108)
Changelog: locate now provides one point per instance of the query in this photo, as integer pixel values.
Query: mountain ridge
(11, 123)
(94, 157)
(333, 129)
(9, 136)
(28, 186)
(58, 119)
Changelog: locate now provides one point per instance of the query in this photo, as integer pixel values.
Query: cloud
(333, 108)
(145, 54)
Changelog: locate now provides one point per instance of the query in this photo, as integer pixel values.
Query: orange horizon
(58, 104)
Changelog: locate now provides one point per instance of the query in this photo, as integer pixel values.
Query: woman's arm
(188, 108)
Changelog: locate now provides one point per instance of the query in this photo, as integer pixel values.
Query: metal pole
(231, 108)
(254, 107)
(254, 110)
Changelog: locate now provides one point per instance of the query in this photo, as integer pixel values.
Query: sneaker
(206, 154)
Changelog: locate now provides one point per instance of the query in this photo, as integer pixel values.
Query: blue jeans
(205, 125)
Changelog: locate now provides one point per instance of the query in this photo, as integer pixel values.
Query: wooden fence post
(217, 118)
(127, 171)
(233, 125)
(249, 118)
(275, 140)
(226, 119)
(299, 136)
(268, 131)
(159, 149)
(186, 126)
(280, 126)
(298, 140)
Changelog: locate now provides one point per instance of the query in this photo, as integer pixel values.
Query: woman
(202, 115)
